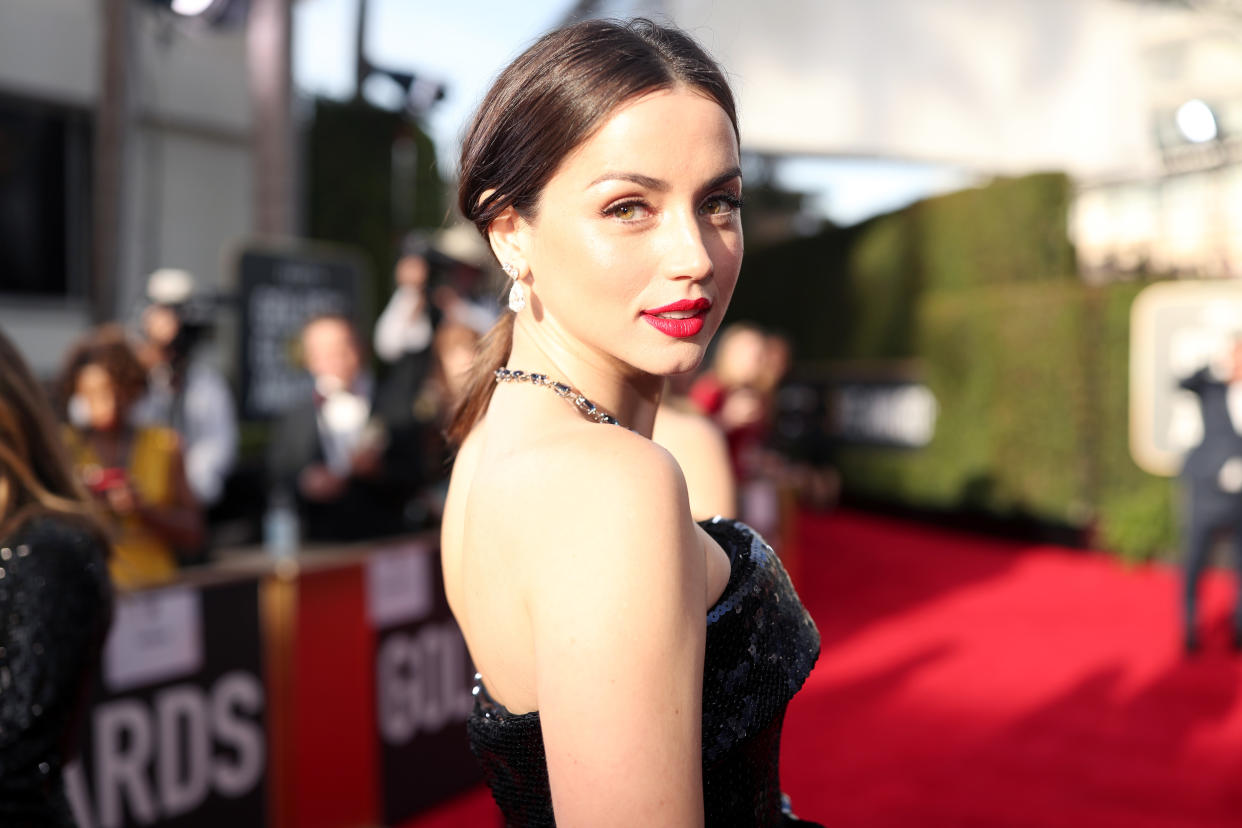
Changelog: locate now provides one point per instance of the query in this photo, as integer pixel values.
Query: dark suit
(1210, 509)
(372, 506)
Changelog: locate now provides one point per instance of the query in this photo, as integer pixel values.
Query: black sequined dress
(55, 606)
(761, 645)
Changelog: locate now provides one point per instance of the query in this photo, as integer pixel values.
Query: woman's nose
(688, 257)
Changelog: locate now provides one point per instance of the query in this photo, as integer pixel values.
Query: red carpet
(969, 682)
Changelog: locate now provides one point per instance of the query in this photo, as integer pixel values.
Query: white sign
(896, 414)
(155, 636)
(1176, 328)
(399, 585)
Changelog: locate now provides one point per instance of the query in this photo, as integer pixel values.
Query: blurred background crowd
(991, 283)
(155, 433)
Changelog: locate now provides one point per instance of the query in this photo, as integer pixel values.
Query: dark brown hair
(546, 103)
(36, 474)
(109, 348)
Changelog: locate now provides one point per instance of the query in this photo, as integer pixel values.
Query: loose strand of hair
(29, 498)
(491, 353)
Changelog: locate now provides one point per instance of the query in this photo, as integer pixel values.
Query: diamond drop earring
(517, 296)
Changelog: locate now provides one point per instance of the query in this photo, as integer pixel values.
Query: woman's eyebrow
(636, 178)
(659, 184)
(727, 175)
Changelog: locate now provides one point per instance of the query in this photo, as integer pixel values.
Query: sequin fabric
(761, 645)
(55, 606)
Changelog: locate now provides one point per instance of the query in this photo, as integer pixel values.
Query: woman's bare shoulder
(605, 474)
(614, 540)
(604, 484)
(617, 595)
(587, 511)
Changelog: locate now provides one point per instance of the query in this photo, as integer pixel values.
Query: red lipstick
(680, 328)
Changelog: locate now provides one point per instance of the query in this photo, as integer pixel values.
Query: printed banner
(175, 735)
(423, 678)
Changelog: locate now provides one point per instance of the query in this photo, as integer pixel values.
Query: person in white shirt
(186, 391)
(404, 326)
(351, 470)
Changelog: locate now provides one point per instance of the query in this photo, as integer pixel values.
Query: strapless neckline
(721, 606)
(759, 649)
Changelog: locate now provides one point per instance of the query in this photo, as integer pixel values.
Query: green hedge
(1136, 512)
(1012, 231)
(1005, 366)
(1029, 365)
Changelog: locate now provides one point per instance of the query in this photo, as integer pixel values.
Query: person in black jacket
(349, 458)
(55, 603)
(1212, 478)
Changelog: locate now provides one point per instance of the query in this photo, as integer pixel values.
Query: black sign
(175, 735)
(280, 291)
(423, 678)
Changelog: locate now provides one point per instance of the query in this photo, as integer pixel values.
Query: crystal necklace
(588, 408)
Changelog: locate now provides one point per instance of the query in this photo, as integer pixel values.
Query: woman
(55, 602)
(137, 473)
(603, 169)
(699, 447)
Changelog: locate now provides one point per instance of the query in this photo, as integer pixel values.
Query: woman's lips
(681, 319)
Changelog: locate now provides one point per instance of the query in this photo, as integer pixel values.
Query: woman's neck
(628, 394)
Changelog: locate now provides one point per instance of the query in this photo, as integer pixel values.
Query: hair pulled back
(546, 103)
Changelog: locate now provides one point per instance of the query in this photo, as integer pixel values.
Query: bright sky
(465, 45)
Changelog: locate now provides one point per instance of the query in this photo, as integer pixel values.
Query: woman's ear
(509, 236)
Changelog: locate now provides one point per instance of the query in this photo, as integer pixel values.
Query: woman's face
(101, 402)
(642, 216)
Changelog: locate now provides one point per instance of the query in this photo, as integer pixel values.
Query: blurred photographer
(136, 472)
(352, 471)
(1212, 479)
(186, 392)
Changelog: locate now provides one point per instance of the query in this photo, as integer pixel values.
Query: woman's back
(519, 589)
(477, 572)
(526, 595)
(535, 500)
(581, 584)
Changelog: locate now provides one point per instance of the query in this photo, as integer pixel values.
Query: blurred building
(1092, 88)
(1182, 214)
(125, 145)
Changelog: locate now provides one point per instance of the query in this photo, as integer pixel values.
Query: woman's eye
(721, 204)
(627, 211)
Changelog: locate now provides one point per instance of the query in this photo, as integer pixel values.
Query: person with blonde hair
(55, 601)
(634, 665)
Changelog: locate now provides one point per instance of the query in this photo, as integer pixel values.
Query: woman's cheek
(104, 415)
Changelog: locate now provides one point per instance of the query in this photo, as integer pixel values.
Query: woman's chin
(677, 364)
